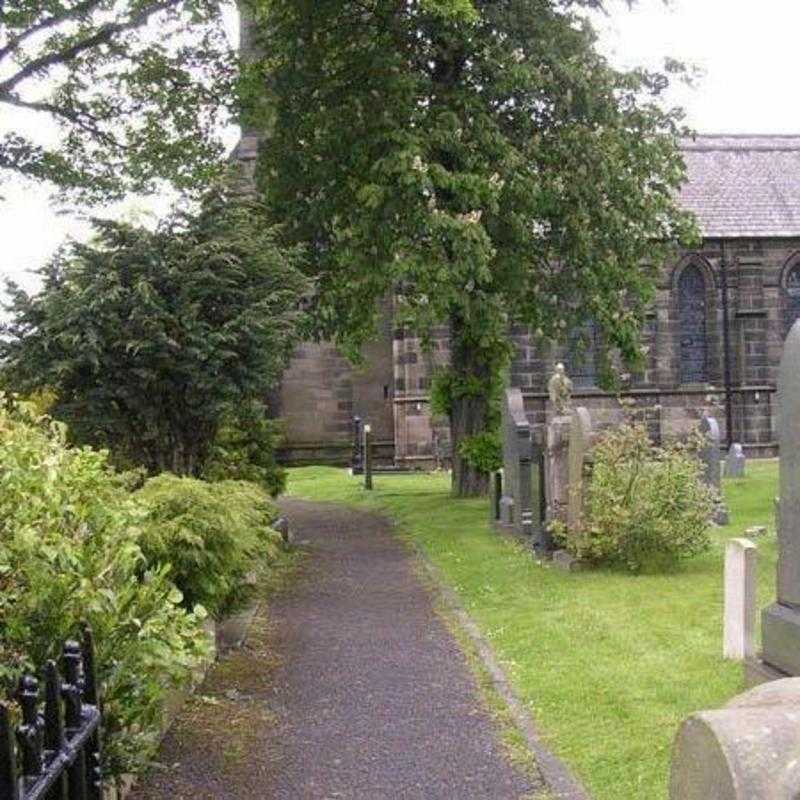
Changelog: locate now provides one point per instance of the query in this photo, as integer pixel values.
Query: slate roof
(743, 186)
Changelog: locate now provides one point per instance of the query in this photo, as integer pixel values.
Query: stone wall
(322, 391)
(760, 308)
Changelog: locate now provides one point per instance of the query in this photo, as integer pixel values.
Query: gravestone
(710, 456)
(745, 751)
(735, 462)
(516, 505)
(495, 495)
(580, 442)
(780, 623)
(740, 599)
(557, 469)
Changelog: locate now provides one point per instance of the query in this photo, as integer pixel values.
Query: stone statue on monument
(560, 388)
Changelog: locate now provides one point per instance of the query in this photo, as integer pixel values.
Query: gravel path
(371, 698)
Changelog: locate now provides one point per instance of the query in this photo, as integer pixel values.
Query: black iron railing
(54, 754)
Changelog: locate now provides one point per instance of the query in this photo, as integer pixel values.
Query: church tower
(321, 391)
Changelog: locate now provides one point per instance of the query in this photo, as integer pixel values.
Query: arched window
(791, 288)
(692, 313)
(582, 356)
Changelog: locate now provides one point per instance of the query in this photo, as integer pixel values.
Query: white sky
(746, 52)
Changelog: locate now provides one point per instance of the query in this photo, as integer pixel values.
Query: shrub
(149, 338)
(484, 451)
(69, 551)
(244, 449)
(647, 506)
(212, 535)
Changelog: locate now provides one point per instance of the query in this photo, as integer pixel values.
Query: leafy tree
(138, 88)
(482, 160)
(149, 339)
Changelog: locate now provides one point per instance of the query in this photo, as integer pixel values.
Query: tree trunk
(469, 412)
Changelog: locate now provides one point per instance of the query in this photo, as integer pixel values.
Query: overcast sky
(746, 53)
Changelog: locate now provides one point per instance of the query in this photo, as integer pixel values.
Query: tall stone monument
(557, 446)
(516, 505)
(780, 622)
(580, 443)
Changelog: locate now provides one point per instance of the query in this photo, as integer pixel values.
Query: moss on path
(354, 687)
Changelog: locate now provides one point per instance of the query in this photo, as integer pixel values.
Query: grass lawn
(609, 663)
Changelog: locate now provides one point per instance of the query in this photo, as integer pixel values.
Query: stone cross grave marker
(780, 623)
(580, 442)
(735, 462)
(710, 457)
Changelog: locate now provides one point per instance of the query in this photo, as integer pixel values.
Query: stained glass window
(692, 313)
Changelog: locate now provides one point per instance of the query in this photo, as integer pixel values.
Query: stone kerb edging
(558, 778)
(224, 635)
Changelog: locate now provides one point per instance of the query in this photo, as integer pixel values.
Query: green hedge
(77, 544)
(69, 551)
(212, 534)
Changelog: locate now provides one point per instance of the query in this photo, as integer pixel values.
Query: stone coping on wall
(693, 389)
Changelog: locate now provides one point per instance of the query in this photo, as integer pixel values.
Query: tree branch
(102, 36)
(83, 120)
(43, 25)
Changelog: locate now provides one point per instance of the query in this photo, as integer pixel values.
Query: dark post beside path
(368, 457)
(357, 460)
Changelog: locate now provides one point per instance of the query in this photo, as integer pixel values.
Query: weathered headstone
(745, 751)
(780, 622)
(543, 539)
(516, 505)
(495, 495)
(557, 469)
(740, 599)
(368, 457)
(710, 455)
(735, 462)
(580, 442)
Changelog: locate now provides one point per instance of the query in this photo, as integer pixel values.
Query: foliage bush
(69, 551)
(647, 506)
(150, 338)
(245, 448)
(483, 451)
(212, 534)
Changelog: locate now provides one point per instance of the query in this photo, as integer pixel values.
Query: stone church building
(714, 334)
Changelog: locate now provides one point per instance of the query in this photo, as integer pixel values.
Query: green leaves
(69, 550)
(499, 162)
(149, 338)
(140, 89)
(211, 535)
(647, 507)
